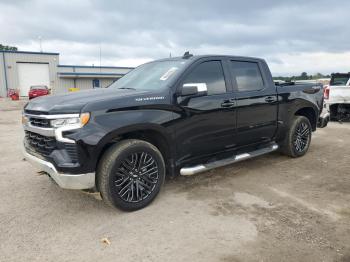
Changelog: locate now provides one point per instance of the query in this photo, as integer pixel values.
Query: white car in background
(337, 97)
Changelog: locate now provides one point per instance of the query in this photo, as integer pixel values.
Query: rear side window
(210, 73)
(247, 76)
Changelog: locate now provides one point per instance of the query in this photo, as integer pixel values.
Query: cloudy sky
(292, 35)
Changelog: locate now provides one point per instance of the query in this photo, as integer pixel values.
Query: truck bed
(303, 89)
(338, 102)
(298, 93)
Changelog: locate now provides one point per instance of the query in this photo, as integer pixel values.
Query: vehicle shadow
(224, 174)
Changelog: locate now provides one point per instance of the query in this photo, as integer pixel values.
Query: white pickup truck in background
(337, 97)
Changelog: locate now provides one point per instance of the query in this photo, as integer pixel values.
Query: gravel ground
(272, 208)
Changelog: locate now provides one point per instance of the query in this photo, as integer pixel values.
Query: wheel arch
(310, 113)
(154, 134)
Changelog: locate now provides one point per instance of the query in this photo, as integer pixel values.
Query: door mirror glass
(194, 89)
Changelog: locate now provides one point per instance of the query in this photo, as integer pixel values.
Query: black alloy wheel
(136, 176)
(130, 174)
(301, 137)
(297, 139)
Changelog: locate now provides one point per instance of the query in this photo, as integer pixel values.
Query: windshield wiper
(130, 88)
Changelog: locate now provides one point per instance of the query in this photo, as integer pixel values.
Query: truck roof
(197, 57)
(337, 74)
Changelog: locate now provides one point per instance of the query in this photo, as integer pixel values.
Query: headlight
(77, 122)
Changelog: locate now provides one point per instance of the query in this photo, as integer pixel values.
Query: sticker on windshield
(169, 73)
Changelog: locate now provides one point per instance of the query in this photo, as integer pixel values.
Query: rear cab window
(246, 75)
(340, 79)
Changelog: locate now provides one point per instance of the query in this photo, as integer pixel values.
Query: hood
(74, 102)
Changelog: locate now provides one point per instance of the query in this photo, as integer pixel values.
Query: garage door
(32, 74)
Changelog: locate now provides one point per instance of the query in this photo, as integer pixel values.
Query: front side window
(211, 74)
(247, 75)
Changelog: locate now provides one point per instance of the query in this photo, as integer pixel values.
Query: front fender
(105, 128)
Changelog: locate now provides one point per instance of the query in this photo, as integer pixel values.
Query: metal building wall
(3, 91)
(58, 84)
(63, 85)
(11, 67)
(93, 69)
(86, 83)
(107, 82)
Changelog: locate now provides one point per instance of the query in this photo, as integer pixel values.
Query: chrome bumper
(67, 181)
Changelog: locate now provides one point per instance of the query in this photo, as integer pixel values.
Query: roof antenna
(187, 55)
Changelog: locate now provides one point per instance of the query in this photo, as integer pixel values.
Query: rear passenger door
(256, 101)
(206, 123)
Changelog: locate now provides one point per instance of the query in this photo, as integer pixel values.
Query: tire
(298, 137)
(130, 174)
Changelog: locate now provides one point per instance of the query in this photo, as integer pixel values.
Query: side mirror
(194, 89)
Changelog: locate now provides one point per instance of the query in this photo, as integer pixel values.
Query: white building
(20, 70)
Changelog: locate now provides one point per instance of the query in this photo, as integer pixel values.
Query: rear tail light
(326, 93)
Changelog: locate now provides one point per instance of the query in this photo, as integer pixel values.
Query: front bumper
(64, 180)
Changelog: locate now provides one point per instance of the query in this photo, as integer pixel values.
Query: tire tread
(287, 144)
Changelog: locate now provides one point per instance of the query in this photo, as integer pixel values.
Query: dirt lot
(272, 208)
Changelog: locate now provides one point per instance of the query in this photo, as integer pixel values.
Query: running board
(188, 171)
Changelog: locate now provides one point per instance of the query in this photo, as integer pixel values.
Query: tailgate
(339, 95)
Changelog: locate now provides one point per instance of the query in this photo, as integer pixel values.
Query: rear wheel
(298, 137)
(130, 174)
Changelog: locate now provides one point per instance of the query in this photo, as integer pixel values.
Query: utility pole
(41, 48)
(100, 56)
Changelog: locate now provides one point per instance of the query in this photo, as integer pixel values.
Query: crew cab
(337, 97)
(174, 116)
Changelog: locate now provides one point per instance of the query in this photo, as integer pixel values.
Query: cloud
(132, 32)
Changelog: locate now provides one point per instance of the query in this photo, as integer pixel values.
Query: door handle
(270, 99)
(228, 103)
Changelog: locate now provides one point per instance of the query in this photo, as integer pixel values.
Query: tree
(304, 76)
(7, 48)
(318, 76)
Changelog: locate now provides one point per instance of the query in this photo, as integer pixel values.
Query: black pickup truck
(173, 116)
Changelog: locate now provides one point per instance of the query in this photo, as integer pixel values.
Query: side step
(188, 171)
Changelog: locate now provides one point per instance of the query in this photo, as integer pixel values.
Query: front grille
(41, 144)
(45, 145)
(39, 122)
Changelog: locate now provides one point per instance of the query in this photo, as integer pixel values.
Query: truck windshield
(150, 76)
(38, 87)
(339, 80)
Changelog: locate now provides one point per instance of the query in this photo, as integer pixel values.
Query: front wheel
(298, 137)
(130, 174)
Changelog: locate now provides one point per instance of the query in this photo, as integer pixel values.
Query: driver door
(207, 123)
